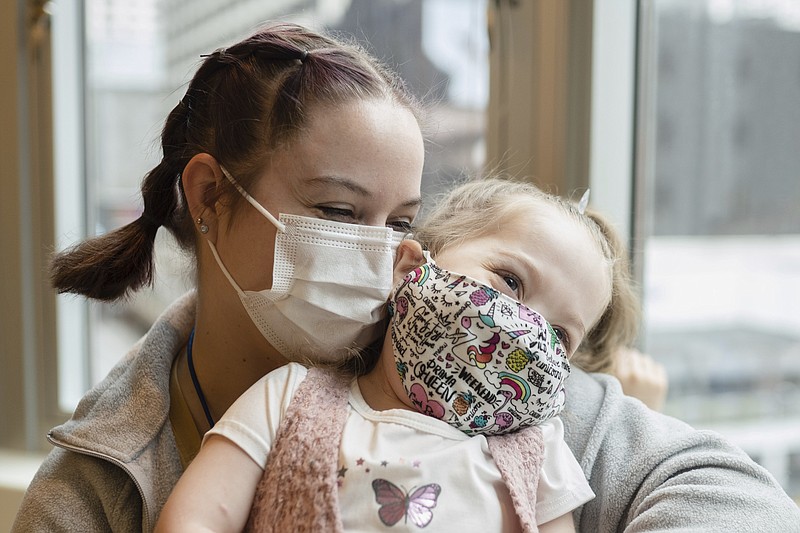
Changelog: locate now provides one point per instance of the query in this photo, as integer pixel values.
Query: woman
(310, 126)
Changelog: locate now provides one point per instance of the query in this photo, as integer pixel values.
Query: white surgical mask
(330, 284)
(472, 356)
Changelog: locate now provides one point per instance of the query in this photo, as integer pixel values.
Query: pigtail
(111, 266)
(107, 267)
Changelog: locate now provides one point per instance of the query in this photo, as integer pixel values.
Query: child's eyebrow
(522, 260)
(575, 319)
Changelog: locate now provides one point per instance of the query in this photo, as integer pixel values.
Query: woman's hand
(642, 377)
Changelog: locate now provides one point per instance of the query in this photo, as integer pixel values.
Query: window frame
(27, 337)
(578, 129)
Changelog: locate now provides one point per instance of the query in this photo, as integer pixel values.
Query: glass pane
(722, 259)
(70, 201)
(141, 53)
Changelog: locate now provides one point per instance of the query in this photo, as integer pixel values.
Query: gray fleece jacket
(115, 461)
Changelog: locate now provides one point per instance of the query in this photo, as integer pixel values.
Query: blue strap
(196, 382)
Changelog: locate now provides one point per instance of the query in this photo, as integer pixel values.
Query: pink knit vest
(298, 491)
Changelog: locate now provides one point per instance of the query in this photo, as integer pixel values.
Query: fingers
(642, 377)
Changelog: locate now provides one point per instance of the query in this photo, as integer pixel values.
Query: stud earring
(203, 227)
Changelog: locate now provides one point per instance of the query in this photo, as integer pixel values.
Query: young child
(453, 426)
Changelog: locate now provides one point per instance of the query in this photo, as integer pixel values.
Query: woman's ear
(202, 182)
(409, 256)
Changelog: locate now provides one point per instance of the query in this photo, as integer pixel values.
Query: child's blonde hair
(619, 324)
(480, 206)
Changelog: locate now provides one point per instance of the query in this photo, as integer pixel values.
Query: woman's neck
(229, 354)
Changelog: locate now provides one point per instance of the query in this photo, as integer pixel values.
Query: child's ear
(409, 256)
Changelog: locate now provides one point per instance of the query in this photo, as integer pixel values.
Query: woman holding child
(315, 130)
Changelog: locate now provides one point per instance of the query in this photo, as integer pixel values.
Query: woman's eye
(403, 226)
(336, 213)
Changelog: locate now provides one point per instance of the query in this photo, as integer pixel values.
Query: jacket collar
(124, 413)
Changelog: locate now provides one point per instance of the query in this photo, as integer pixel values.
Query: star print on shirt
(359, 461)
(342, 471)
(384, 463)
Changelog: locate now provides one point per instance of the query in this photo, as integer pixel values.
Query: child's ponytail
(619, 325)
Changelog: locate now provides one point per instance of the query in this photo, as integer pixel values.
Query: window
(714, 85)
(721, 252)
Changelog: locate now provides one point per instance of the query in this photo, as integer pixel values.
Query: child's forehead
(544, 221)
(533, 211)
(514, 220)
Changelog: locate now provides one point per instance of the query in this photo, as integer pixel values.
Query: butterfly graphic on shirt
(396, 503)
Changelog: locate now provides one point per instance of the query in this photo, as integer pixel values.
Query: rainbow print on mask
(472, 356)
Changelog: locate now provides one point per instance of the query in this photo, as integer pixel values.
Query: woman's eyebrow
(340, 182)
(352, 186)
(414, 202)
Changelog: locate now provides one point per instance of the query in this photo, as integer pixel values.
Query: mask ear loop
(278, 224)
(225, 270)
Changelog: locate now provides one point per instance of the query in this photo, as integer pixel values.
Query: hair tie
(187, 109)
(303, 55)
(216, 54)
(584, 202)
(150, 219)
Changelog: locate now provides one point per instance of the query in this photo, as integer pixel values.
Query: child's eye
(504, 280)
(512, 283)
(562, 337)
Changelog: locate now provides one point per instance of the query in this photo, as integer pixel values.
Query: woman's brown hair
(243, 103)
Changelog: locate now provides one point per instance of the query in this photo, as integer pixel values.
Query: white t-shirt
(450, 479)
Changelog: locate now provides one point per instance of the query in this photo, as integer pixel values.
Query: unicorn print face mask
(472, 356)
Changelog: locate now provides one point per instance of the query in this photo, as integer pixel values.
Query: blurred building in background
(728, 126)
(722, 290)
